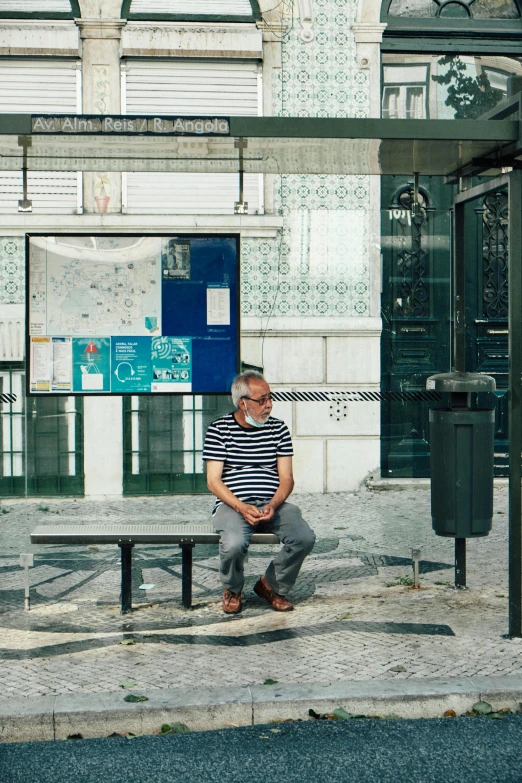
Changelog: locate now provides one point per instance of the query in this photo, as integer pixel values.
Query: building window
(474, 9)
(404, 92)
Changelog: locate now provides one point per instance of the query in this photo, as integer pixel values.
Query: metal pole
(24, 204)
(415, 557)
(460, 562)
(459, 349)
(126, 576)
(241, 206)
(26, 562)
(186, 574)
(514, 397)
(459, 292)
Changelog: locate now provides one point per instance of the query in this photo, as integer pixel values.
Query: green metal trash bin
(462, 434)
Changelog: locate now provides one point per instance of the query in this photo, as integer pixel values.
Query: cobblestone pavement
(355, 617)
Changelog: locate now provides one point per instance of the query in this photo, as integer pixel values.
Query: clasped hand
(254, 515)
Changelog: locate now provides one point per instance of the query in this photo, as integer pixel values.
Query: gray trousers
(294, 533)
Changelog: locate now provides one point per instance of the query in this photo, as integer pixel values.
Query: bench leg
(186, 574)
(126, 576)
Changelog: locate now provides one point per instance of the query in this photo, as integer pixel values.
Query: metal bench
(126, 536)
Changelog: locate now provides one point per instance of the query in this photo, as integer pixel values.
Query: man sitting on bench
(249, 470)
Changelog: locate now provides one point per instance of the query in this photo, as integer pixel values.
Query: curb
(203, 709)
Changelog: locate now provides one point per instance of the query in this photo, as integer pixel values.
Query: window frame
(255, 16)
(401, 85)
(451, 35)
(74, 13)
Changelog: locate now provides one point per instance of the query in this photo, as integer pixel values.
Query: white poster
(218, 306)
(40, 363)
(62, 363)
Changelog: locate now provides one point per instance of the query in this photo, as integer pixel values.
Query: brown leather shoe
(231, 603)
(278, 602)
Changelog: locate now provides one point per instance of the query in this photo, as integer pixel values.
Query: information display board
(122, 314)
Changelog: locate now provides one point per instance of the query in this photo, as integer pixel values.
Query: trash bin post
(460, 563)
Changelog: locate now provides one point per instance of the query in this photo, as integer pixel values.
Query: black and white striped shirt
(249, 456)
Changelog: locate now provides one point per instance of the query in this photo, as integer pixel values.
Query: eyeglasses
(261, 401)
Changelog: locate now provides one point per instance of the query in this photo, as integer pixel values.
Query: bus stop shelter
(458, 150)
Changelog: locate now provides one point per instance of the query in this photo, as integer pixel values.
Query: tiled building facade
(311, 270)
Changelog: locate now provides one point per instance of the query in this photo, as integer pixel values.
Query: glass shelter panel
(417, 336)
(444, 87)
(41, 441)
(163, 442)
(416, 311)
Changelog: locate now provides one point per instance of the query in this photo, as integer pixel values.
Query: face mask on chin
(253, 422)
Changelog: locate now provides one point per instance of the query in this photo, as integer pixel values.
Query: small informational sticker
(218, 305)
(430, 384)
(41, 364)
(151, 323)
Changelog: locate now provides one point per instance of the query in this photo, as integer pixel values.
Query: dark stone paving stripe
(247, 640)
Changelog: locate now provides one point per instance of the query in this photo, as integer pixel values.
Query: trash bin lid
(461, 382)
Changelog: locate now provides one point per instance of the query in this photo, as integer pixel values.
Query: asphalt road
(364, 750)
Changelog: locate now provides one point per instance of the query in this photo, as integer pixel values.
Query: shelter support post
(459, 349)
(126, 576)
(514, 399)
(459, 292)
(186, 573)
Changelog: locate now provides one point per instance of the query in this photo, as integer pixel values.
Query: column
(101, 94)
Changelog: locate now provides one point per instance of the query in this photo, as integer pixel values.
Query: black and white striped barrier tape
(354, 396)
(8, 397)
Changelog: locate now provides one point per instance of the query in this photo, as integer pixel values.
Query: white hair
(240, 385)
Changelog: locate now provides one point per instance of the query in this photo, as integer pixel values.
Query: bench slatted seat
(126, 536)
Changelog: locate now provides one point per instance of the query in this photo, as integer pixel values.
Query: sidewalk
(355, 624)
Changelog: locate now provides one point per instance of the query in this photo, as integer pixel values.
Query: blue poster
(131, 365)
(91, 357)
(171, 364)
(151, 364)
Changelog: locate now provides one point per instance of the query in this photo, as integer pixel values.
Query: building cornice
(368, 32)
(101, 28)
(246, 225)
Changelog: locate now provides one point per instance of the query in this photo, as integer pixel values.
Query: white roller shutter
(35, 6)
(189, 194)
(39, 86)
(51, 192)
(192, 7)
(191, 87)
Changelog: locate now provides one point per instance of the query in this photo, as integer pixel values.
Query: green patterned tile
(12, 270)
